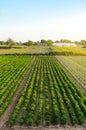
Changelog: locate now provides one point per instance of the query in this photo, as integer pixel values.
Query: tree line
(10, 42)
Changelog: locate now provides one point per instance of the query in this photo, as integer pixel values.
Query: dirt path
(72, 77)
(5, 117)
(58, 127)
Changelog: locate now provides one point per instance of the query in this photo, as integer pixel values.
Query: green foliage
(49, 42)
(30, 121)
(43, 42)
(65, 41)
(67, 51)
(29, 43)
(51, 95)
(10, 42)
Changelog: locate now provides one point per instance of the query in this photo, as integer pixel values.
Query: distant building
(64, 44)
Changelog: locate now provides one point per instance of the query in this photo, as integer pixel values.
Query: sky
(24, 20)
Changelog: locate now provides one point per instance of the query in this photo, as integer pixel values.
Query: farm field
(12, 71)
(48, 96)
(26, 50)
(68, 51)
(52, 50)
(76, 65)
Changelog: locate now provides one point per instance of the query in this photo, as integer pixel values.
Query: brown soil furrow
(57, 127)
(5, 117)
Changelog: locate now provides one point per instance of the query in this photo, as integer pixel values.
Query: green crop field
(12, 71)
(67, 51)
(36, 91)
(76, 65)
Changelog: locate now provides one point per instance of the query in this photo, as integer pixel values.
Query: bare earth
(66, 127)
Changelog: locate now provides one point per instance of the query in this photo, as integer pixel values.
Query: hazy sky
(42, 19)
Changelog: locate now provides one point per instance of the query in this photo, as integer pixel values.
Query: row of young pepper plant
(11, 74)
(49, 97)
(76, 69)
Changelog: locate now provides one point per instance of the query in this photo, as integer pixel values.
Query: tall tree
(49, 42)
(43, 42)
(10, 42)
(29, 43)
(65, 41)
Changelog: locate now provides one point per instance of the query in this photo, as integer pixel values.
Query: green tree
(49, 42)
(37, 43)
(10, 42)
(83, 42)
(2, 43)
(43, 42)
(65, 41)
(29, 43)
